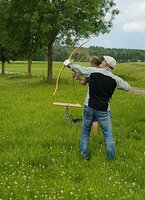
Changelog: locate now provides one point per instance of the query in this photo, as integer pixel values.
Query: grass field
(39, 152)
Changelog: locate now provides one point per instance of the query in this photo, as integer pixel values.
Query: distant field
(134, 73)
(39, 152)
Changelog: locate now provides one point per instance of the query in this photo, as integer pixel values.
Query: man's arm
(122, 85)
(84, 71)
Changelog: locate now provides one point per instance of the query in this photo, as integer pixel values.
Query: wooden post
(67, 106)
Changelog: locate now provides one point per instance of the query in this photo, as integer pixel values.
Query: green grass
(39, 153)
(38, 68)
(134, 73)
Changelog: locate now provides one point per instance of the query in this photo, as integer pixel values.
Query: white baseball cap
(110, 60)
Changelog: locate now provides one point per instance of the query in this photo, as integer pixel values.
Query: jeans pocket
(104, 115)
(88, 113)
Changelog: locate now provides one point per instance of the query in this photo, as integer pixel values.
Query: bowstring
(78, 58)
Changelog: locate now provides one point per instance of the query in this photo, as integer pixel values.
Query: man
(102, 85)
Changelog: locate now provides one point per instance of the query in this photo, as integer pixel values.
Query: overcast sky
(128, 29)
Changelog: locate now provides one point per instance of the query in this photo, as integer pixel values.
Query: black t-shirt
(101, 88)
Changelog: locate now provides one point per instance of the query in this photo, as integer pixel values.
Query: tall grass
(39, 157)
(133, 73)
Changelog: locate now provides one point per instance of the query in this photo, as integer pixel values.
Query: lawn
(39, 157)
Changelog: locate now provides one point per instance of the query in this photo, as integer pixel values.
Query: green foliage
(24, 16)
(74, 19)
(39, 157)
(5, 44)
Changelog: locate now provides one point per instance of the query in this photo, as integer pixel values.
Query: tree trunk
(3, 67)
(49, 71)
(29, 67)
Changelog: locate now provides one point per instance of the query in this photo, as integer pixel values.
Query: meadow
(39, 149)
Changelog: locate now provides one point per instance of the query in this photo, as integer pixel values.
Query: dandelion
(13, 173)
(62, 173)
(24, 177)
(130, 191)
(15, 182)
(133, 184)
(53, 160)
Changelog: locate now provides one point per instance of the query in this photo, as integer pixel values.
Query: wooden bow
(71, 55)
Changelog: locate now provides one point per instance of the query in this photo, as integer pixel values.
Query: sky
(128, 29)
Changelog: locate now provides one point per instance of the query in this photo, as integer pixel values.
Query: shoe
(86, 157)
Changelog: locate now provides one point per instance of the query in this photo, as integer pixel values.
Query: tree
(4, 57)
(17, 33)
(5, 46)
(70, 20)
(23, 28)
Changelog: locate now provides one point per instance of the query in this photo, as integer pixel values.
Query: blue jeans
(105, 121)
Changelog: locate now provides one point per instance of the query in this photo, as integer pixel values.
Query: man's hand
(66, 63)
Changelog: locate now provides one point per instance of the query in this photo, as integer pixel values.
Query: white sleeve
(85, 71)
(122, 85)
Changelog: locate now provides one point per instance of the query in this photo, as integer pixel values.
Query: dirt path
(19, 73)
(139, 91)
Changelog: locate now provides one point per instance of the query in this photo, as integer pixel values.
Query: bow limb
(57, 80)
(59, 74)
(80, 47)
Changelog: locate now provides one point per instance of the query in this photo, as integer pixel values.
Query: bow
(71, 55)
